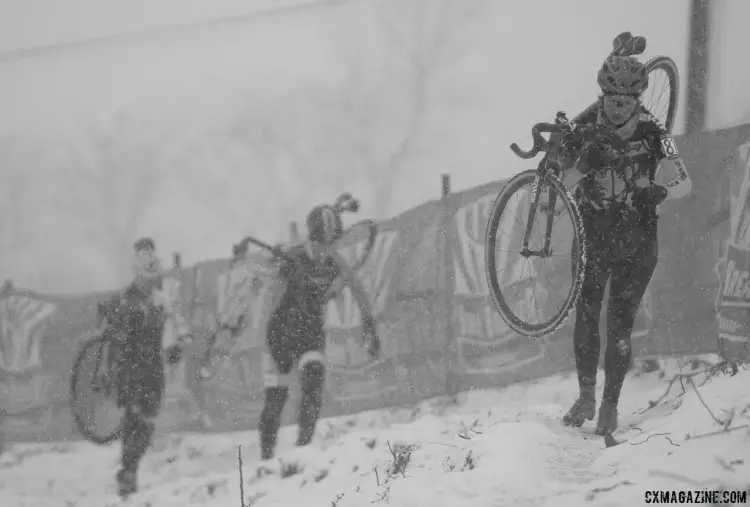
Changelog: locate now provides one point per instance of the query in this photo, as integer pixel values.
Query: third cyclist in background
(312, 273)
(618, 194)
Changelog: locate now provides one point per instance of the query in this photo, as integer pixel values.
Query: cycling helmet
(622, 73)
(144, 244)
(324, 225)
(145, 262)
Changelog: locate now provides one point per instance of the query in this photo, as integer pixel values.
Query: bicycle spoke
(535, 272)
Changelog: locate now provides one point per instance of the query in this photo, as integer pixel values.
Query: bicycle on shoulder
(252, 275)
(93, 385)
(99, 401)
(545, 241)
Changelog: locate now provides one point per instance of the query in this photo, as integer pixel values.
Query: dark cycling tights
(628, 260)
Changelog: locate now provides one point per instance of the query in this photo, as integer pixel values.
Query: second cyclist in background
(136, 321)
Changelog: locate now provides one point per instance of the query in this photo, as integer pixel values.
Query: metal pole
(293, 231)
(698, 64)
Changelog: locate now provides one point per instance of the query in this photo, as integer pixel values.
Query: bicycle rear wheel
(662, 96)
(364, 229)
(93, 392)
(535, 234)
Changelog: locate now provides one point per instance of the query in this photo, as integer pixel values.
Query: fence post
(446, 180)
(698, 65)
(446, 285)
(293, 231)
(176, 260)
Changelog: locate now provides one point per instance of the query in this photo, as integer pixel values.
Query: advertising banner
(733, 301)
(488, 351)
(426, 280)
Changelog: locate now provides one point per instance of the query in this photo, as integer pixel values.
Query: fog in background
(200, 135)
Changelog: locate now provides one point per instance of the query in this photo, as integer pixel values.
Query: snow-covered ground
(490, 448)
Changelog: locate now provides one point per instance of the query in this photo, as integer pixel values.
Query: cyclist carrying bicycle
(136, 322)
(312, 274)
(618, 195)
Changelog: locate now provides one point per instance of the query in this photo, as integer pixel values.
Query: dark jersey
(608, 190)
(142, 323)
(307, 283)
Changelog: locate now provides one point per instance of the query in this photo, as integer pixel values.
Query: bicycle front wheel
(534, 241)
(93, 392)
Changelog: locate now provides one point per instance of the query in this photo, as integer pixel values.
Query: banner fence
(439, 329)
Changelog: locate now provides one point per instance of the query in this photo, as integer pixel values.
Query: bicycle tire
(668, 65)
(578, 256)
(97, 345)
(372, 236)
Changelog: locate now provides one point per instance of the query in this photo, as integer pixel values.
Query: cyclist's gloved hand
(593, 156)
(649, 196)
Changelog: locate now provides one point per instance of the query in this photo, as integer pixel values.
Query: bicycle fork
(548, 209)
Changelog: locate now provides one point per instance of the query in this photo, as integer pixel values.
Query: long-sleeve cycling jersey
(649, 156)
(142, 324)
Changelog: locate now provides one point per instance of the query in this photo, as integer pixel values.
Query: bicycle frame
(545, 168)
(240, 250)
(548, 167)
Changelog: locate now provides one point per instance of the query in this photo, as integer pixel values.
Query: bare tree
(283, 153)
(126, 163)
(14, 185)
(387, 108)
(38, 207)
(236, 172)
(319, 140)
(20, 167)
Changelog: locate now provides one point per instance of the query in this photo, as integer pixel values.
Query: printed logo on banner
(741, 235)
(343, 318)
(245, 295)
(343, 312)
(355, 376)
(734, 297)
(23, 322)
(735, 288)
(739, 180)
(468, 261)
(485, 343)
(525, 275)
(735, 176)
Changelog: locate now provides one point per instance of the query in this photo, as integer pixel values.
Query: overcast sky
(30, 23)
(27, 23)
(528, 60)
